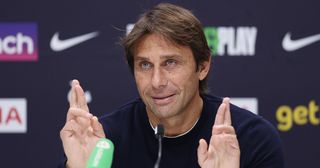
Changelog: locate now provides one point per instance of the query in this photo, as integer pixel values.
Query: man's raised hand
(81, 131)
(223, 150)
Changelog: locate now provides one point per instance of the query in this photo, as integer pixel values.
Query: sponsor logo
(300, 115)
(239, 41)
(57, 44)
(250, 104)
(18, 42)
(291, 45)
(232, 41)
(87, 95)
(13, 115)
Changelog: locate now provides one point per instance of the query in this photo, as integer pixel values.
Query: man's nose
(159, 78)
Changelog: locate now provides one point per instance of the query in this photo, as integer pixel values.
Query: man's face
(166, 76)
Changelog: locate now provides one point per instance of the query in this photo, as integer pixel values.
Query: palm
(78, 150)
(81, 131)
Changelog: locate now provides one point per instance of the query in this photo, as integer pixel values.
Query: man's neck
(182, 123)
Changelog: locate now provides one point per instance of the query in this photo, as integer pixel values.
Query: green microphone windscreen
(102, 154)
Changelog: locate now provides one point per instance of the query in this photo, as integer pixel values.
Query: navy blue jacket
(136, 146)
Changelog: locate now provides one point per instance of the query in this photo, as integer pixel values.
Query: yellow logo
(299, 115)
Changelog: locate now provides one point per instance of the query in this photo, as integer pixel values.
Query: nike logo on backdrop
(291, 45)
(59, 45)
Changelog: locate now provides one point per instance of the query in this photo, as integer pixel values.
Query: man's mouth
(163, 100)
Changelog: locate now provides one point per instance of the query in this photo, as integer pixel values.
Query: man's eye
(145, 65)
(171, 62)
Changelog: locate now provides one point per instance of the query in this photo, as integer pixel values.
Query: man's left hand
(223, 150)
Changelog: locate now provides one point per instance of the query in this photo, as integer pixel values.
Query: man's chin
(163, 113)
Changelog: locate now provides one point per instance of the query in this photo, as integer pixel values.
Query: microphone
(102, 154)
(159, 132)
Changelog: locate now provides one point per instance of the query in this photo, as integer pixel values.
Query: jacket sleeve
(261, 146)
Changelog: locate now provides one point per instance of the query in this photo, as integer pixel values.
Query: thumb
(97, 127)
(202, 152)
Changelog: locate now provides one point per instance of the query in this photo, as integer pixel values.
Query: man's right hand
(82, 130)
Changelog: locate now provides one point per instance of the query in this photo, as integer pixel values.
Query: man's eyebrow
(162, 57)
(171, 56)
(141, 58)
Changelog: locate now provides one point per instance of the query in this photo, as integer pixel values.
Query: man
(170, 60)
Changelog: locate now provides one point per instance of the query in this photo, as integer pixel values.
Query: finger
(97, 127)
(227, 115)
(81, 99)
(232, 141)
(85, 123)
(68, 130)
(225, 142)
(202, 152)
(73, 98)
(73, 113)
(219, 120)
(226, 129)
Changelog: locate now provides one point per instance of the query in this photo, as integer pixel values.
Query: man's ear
(204, 68)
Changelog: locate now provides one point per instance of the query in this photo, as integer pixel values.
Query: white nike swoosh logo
(291, 45)
(59, 45)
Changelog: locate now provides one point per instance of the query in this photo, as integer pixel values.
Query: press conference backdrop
(265, 57)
